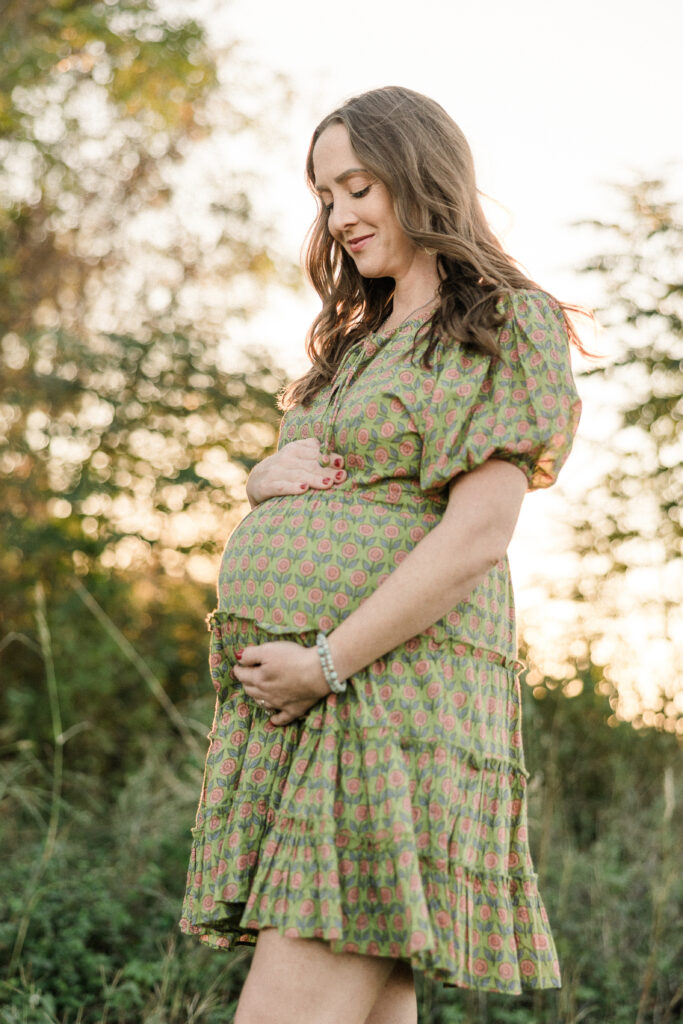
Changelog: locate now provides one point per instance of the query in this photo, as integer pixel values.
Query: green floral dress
(391, 819)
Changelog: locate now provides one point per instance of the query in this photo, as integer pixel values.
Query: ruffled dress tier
(391, 819)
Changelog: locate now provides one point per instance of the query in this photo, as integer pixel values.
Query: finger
(336, 460)
(282, 718)
(321, 481)
(252, 655)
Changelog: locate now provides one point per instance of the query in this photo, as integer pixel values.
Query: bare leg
(396, 1003)
(300, 981)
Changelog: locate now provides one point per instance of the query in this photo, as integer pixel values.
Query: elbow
(495, 547)
(490, 550)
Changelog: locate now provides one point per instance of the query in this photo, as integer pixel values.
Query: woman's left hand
(285, 675)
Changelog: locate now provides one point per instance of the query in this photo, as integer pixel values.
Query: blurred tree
(627, 526)
(129, 250)
(125, 256)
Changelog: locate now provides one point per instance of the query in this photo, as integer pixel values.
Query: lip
(358, 244)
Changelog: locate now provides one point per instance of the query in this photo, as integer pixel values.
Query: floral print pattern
(391, 819)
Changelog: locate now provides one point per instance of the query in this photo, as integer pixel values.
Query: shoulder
(530, 307)
(533, 328)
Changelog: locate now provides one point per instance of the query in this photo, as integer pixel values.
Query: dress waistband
(226, 624)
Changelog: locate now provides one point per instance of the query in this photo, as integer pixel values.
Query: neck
(416, 288)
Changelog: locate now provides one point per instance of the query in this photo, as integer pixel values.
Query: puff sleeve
(522, 407)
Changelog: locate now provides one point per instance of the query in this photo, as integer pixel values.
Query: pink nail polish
(338, 462)
(339, 476)
(304, 487)
(326, 480)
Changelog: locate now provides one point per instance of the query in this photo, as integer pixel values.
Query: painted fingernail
(326, 480)
(238, 654)
(303, 487)
(339, 476)
(338, 462)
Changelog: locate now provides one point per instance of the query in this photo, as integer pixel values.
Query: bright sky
(557, 101)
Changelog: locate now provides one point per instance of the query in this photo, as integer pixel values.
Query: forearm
(442, 570)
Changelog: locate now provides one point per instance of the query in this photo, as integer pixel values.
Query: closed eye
(354, 195)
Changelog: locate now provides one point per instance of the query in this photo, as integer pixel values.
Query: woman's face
(361, 214)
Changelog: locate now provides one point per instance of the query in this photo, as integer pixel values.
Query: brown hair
(410, 143)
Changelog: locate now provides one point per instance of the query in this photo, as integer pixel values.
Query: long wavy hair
(409, 143)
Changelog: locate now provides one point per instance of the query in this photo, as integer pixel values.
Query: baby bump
(307, 564)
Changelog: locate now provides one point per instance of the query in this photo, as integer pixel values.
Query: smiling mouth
(356, 244)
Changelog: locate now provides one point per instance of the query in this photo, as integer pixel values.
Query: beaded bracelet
(329, 671)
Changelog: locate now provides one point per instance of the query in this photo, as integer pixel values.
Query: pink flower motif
(480, 967)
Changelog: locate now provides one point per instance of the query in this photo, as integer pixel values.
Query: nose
(341, 218)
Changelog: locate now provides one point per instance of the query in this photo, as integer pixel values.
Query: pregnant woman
(363, 811)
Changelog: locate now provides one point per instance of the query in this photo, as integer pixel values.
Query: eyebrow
(344, 175)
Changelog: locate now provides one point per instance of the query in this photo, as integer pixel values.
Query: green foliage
(101, 912)
(107, 710)
(101, 943)
(123, 269)
(642, 285)
(626, 525)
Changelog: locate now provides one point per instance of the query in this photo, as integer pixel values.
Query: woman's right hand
(294, 469)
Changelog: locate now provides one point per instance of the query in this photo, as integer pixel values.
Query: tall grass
(92, 873)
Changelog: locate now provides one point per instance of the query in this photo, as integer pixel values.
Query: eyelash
(354, 195)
